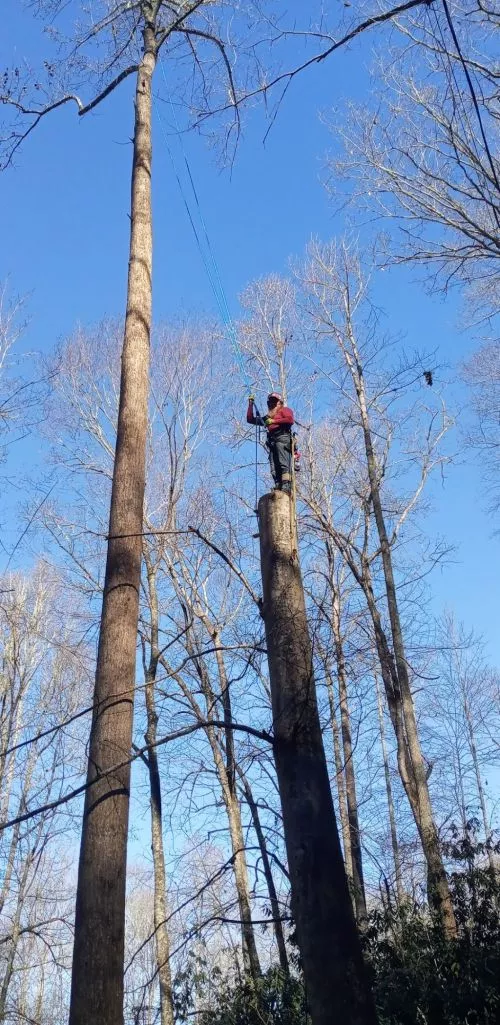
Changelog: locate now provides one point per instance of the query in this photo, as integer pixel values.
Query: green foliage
(276, 999)
(418, 977)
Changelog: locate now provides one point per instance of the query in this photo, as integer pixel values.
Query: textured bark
(97, 979)
(334, 972)
(398, 877)
(268, 873)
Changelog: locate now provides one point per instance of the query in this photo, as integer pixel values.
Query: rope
(209, 260)
(207, 253)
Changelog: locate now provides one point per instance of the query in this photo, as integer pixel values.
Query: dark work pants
(280, 456)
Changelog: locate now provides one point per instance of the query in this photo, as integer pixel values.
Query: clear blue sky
(64, 220)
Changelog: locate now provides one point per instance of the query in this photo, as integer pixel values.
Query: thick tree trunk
(97, 980)
(398, 877)
(268, 873)
(334, 972)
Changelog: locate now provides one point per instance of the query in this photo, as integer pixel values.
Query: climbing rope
(207, 252)
(211, 266)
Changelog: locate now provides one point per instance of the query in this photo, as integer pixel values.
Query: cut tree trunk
(97, 978)
(334, 971)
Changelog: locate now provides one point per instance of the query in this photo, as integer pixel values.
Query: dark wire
(474, 100)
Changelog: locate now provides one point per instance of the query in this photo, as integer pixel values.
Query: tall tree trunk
(227, 777)
(97, 978)
(268, 873)
(333, 966)
(160, 904)
(339, 775)
(390, 801)
(418, 790)
(350, 778)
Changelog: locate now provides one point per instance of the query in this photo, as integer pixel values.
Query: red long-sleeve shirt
(273, 421)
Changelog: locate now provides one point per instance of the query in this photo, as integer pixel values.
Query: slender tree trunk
(97, 979)
(266, 864)
(418, 791)
(479, 784)
(13, 940)
(390, 801)
(227, 777)
(334, 972)
(350, 778)
(224, 771)
(339, 774)
(160, 903)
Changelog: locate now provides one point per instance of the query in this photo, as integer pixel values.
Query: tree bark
(97, 978)
(334, 971)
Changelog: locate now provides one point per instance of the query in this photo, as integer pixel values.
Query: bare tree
(482, 374)
(337, 289)
(424, 155)
(130, 38)
(44, 679)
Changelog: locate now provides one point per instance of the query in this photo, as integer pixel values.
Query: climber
(278, 423)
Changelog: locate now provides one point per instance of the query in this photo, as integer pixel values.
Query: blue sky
(64, 218)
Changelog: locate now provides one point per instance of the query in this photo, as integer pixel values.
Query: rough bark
(398, 877)
(97, 978)
(334, 971)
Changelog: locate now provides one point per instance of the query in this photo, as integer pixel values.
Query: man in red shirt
(278, 423)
